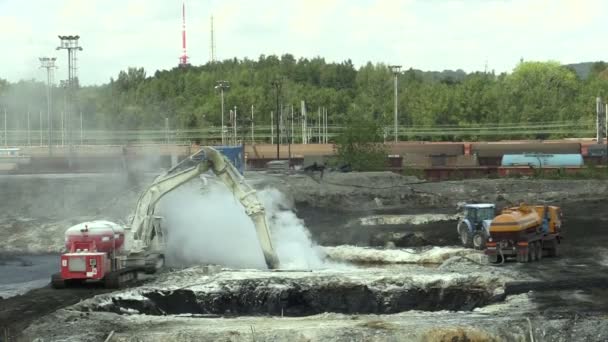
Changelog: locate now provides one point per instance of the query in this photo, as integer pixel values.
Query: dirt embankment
(340, 208)
(360, 208)
(386, 192)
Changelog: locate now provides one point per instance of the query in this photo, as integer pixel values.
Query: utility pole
(167, 130)
(49, 64)
(326, 117)
(277, 84)
(282, 125)
(600, 108)
(234, 126)
(292, 132)
(252, 138)
(271, 128)
(29, 140)
(395, 69)
(222, 85)
(81, 130)
(5, 131)
(70, 43)
(40, 128)
(324, 125)
(304, 128)
(319, 126)
(62, 129)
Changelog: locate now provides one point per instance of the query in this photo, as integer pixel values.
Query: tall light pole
(277, 85)
(49, 64)
(70, 43)
(252, 136)
(395, 69)
(222, 85)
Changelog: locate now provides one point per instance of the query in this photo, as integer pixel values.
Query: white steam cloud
(207, 225)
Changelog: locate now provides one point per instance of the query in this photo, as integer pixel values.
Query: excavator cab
(473, 226)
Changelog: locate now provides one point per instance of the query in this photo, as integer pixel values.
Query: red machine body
(92, 247)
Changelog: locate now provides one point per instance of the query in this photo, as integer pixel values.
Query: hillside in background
(534, 94)
(583, 70)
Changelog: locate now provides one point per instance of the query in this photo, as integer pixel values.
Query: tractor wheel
(479, 240)
(465, 236)
(112, 280)
(495, 259)
(57, 282)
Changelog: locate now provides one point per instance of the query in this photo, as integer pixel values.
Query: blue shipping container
(236, 155)
(542, 160)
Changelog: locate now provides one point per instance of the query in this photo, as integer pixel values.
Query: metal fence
(266, 134)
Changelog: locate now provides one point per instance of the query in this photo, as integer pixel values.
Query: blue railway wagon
(539, 160)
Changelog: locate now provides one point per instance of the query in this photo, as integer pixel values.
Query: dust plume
(206, 224)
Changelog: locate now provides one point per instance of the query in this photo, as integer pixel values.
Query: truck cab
(474, 224)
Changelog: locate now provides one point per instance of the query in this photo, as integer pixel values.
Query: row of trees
(535, 93)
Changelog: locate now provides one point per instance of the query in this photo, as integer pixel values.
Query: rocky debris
(512, 320)
(363, 255)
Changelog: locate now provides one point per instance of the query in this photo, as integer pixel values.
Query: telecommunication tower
(183, 60)
(212, 47)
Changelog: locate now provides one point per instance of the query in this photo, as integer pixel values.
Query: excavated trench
(296, 300)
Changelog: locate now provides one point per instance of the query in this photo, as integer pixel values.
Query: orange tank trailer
(526, 232)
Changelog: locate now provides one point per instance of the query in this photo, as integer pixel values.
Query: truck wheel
(522, 257)
(479, 240)
(553, 249)
(539, 250)
(57, 282)
(465, 236)
(111, 280)
(532, 251)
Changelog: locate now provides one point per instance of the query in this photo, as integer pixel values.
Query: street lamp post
(70, 43)
(395, 69)
(222, 85)
(277, 85)
(49, 64)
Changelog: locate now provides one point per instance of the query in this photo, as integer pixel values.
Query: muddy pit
(237, 293)
(385, 281)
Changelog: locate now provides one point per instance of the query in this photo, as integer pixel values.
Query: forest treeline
(534, 93)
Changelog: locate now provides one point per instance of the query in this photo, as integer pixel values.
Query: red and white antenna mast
(183, 60)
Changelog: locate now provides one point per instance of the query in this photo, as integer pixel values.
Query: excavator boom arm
(230, 176)
(141, 225)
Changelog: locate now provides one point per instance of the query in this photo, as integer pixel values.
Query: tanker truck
(105, 251)
(526, 232)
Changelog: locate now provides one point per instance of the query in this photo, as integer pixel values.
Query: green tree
(360, 144)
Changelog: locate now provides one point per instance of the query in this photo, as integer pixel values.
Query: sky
(421, 34)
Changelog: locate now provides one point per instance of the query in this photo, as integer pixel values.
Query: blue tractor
(474, 225)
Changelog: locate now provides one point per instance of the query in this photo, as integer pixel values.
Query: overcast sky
(423, 34)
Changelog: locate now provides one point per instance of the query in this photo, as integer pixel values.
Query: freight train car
(490, 154)
(426, 149)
